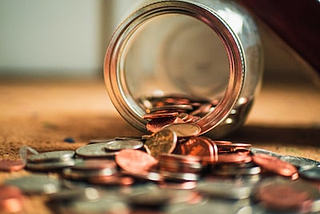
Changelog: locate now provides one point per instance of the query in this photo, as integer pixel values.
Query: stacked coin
(51, 160)
(180, 167)
(90, 169)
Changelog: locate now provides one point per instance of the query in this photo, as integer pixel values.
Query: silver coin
(36, 184)
(117, 145)
(83, 175)
(149, 176)
(65, 195)
(94, 151)
(184, 129)
(51, 156)
(180, 176)
(311, 172)
(45, 166)
(264, 151)
(100, 141)
(227, 189)
(98, 206)
(298, 161)
(150, 198)
(255, 170)
(94, 164)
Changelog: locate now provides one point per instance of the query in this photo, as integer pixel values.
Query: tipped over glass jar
(182, 61)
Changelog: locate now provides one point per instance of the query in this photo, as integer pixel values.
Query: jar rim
(114, 71)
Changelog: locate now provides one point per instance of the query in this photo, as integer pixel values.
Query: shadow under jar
(201, 59)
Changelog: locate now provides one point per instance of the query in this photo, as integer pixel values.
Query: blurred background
(68, 39)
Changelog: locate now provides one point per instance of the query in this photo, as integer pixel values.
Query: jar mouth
(114, 68)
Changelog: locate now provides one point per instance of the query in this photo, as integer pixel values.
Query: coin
(135, 161)
(255, 151)
(117, 145)
(160, 115)
(94, 164)
(275, 165)
(157, 124)
(163, 141)
(310, 172)
(51, 156)
(94, 151)
(234, 157)
(89, 168)
(35, 184)
(237, 171)
(184, 129)
(151, 198)
(233, 147)
(180, 163)
(100, 141)
(11, 165)
(180, 176)
(112, 180)
(299, 161)
(227, 189)
(11, 199)
(202, 147)
(75, 174)
(46, 166)
(283, 196)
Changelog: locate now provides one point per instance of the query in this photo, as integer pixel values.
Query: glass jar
(207, 51)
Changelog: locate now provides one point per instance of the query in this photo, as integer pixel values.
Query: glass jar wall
(203, 58)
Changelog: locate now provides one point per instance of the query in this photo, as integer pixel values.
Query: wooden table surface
(41, 113)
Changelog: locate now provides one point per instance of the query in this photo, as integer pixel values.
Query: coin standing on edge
(160, 142)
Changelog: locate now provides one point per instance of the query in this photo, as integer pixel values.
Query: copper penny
(200, 146)
(11, 199)
(112, 180)
(282, 197)
(155, 115)
(237, 157)
(157, 124)
(11, 165)
(180, 163)
(135, 161)
(233, 147)
(275, 165)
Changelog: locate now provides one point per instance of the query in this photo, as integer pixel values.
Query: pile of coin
(169, 174)
(173, 170)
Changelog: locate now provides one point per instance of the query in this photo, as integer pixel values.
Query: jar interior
(175, 54)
